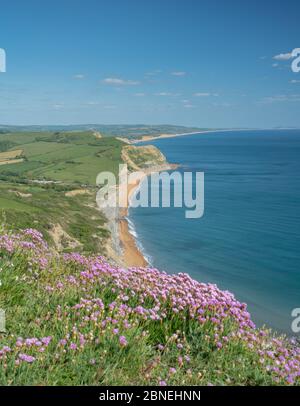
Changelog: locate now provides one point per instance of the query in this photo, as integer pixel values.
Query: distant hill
(129, 131)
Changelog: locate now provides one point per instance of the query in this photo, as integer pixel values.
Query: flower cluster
(94, 307)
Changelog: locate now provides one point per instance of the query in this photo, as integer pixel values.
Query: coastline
(122, 246)
(132, 255)
(147, 138)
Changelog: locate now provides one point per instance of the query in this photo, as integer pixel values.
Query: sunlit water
(248, 239)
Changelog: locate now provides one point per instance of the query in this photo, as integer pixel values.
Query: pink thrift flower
(123, 341)
(26, 358)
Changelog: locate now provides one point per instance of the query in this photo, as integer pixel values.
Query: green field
(33, 192)
(65, 157)
(114, 130)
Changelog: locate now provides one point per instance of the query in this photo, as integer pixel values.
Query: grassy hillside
(48, 208)
(34, 190)
(130, 131)
(66, 157)
(75, 320)
(143, 157)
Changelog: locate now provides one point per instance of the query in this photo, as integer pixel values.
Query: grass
(44, 207)
(65, 157)
(130, 131)
(70, 160)
(74, 320)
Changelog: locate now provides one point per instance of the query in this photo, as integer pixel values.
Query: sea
(248, 239)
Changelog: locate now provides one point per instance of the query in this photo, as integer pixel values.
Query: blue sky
(205, 63)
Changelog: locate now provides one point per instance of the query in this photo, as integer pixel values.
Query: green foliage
(39, 302)
(32, 192)
(6, 145)
(46, 206)
(65, 157)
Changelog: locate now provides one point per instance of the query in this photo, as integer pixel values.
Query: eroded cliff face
(143, 157)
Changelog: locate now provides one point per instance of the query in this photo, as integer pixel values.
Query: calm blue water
(248, 239)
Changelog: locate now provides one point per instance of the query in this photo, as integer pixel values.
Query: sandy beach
(132, 256)
(146, 138)
(122, 247)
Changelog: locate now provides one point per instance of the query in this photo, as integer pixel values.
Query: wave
(133, 232)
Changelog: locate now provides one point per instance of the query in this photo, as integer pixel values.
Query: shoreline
(132, 255)
(147, 138)
(123, 245)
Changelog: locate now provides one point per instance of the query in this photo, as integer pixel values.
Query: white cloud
(153, 73)
(275, 65)
(178, 73)
(92, 103)
(58, 106)
(139, 94)
(294, 81)
(205, 94)
(281, 98)
(120, 82)
(283, 57)
(224, 104)
(110, 107)
(201, 94)
(187, 104)
(166, 94)
(163, 94)
(78, 76)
